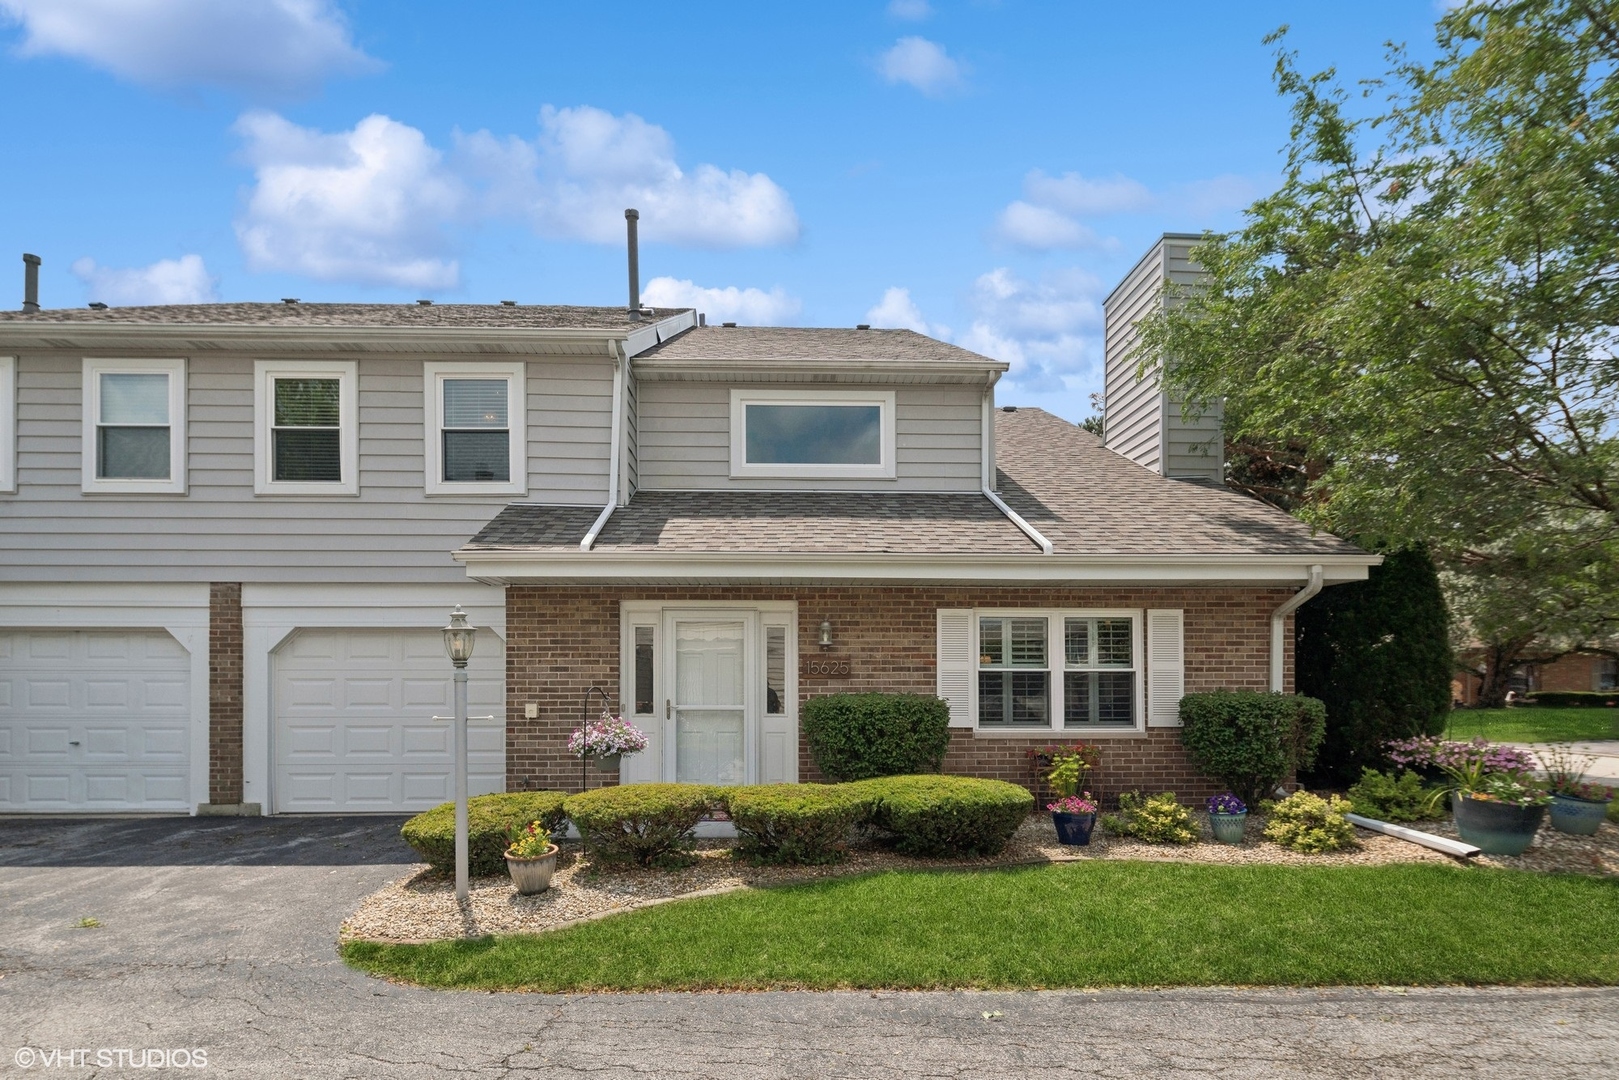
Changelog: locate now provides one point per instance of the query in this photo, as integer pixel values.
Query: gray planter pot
(1580, 817)
(1228, 828)
(607, 763)
(1497, 828)
(532, 875)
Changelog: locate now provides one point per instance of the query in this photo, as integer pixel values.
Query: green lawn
(1534, 724)
(1070, 925)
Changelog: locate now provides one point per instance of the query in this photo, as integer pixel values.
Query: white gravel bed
(421, 905)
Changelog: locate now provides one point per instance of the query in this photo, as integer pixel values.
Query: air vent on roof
(97, 305)
(425, 303)
(508, 303)
(863, 326)
(732, 324)
(702, 319)
(289, 299)
(1008, 408)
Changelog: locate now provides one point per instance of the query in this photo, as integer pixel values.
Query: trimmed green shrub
(1574, 699)
(1379, 795)
(1309, 823)
(645, 824)
(1157, 819)
(490, 818)
(858, 736)
(794, 823)
(1250, 741)
(957, 816)
(1378, 655)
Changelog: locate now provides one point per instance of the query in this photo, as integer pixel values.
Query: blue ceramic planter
(1497, 828)
(1073, 830)
(1581, 817)
(1228, 828)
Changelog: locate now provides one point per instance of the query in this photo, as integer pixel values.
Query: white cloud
(909, 10)
(1041, 228)
(922, 64)
(275, 47)
(1049, 331)
(168, 281)
(367, 205)
(749, 306)
(1050, 214)
(1072, 193)
(897, 311)
(587, 165)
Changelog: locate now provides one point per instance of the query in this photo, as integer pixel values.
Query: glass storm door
(708, 713)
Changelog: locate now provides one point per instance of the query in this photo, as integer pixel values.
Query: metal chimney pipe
(30, 284)
(631, 217)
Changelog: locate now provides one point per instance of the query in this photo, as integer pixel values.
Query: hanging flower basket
(606, 740)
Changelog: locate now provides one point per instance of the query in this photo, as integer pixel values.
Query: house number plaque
(827, 667)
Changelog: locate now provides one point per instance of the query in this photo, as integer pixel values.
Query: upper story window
(476, 441)
(812, 434)
(8, 423)
(1096, 683)
(306, 419)
(134, 426)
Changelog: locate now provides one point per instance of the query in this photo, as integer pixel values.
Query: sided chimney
(631, 217)
(30, 284)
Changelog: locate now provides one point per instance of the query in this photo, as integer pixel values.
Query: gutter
(1278, 627)
(986, 478)
(620, 361)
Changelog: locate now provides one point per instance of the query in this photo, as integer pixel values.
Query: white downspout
(1278, 629)
(620, 361)
(987, 474)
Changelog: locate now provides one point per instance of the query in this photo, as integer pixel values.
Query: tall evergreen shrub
(1377, 653)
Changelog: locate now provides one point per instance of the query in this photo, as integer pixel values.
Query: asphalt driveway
(219, 934)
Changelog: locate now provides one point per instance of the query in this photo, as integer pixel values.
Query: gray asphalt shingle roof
(1085, 499)
(768, 343)
(391, 316)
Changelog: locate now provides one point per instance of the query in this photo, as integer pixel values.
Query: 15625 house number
(827, 667)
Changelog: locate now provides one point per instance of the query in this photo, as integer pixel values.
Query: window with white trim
(1068, 670)
(476, 441)
(8, 424)
(820, 434)
(306, 428)
(134, 427)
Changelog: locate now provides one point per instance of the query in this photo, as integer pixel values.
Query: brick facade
(563, 640)
(225, 692)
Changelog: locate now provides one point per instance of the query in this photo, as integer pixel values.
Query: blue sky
(981, 171)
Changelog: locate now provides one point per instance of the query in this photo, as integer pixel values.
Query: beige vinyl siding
(1144, 424)
(220, 531)
(685, 440)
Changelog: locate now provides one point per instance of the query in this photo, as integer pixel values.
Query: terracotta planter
(532, 875)
(1579, 817)
(1497, 828)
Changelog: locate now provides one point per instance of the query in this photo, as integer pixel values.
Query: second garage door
(353, 721)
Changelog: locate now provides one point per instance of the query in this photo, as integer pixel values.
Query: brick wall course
(225, 692)
(563, 640)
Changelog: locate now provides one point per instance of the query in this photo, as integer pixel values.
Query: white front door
(713, 687)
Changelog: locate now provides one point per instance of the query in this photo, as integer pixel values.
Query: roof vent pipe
(30, 284)
(631, 217)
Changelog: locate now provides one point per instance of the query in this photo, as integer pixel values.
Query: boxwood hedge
(641, 823)
(955, 816)
(794, 823)
(856, 736)
(489, 819)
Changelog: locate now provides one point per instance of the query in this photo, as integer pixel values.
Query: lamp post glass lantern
(458, 641)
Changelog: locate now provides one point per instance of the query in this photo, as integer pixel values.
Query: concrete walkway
(1604, 770)
(220, 935)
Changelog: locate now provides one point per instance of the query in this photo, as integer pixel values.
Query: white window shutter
(956, 663)
(1166, 666)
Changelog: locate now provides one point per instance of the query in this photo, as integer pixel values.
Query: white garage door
(354, 721)
(94, 720)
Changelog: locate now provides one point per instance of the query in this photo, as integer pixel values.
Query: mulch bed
(421, 906)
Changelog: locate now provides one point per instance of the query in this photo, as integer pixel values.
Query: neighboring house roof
(1088, 501)
(772, 344)
(391, 316)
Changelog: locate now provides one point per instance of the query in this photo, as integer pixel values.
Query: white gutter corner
(987, 474)
(1278, 629)
(620, 362)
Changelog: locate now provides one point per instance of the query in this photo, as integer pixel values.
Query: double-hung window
(476, 442)
(812, 434)
(306, 416)
(134, 426)
(1064, 670)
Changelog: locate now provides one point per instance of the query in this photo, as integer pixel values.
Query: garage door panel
(45, 647)
(48, 790)
(47, 694)
(47, 741)
(380, 749)
(105, 742)
(163, 743)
